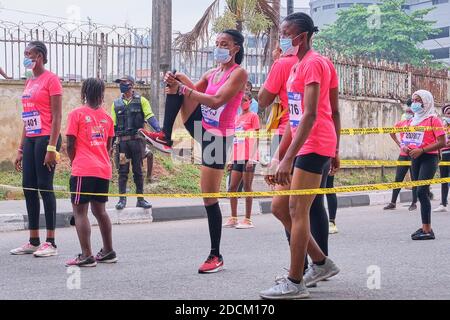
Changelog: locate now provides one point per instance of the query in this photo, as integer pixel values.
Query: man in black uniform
(130, 112)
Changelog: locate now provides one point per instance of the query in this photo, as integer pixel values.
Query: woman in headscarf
(423, 148)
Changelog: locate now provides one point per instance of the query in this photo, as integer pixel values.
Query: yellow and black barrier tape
(261, 194)
(382, 163)
(182, 134)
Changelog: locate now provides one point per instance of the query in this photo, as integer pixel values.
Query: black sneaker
(424, 236)
(121, 204)
(390, 206)
(412, 207)
(417, 232)
(141, 203)
(110, 257)
(82, 262)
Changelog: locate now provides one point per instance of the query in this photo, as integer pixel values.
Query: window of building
(406, 6)
(344, 5)
(441, 53)
(316, 9)
(443, 33)
(439, 1)
(328, 7)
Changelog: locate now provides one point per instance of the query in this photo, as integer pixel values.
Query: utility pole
(161, 52)
(290, 7)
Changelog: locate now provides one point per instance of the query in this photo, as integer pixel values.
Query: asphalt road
(160, 261)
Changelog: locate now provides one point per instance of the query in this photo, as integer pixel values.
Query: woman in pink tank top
(208, 109)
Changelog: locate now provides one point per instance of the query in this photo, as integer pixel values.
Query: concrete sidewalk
(13, 214)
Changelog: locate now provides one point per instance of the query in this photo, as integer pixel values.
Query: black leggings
(37, 176)
(445, 173)
(424, 168)
(399, 177)
(331, 199)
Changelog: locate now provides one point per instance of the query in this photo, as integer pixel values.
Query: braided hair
(41, 48)
(303, 22)
(92, 92)
(238, 40)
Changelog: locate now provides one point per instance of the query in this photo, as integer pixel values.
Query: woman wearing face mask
(309, 146)
(38, 151)
(445, 170)
(423, 148)
(402, 170)
(208, 109)
(245, 158)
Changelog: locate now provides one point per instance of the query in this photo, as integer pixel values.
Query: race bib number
(32, 122)
(295, 109)
(212, 116)
(238, 139)
(413, 138)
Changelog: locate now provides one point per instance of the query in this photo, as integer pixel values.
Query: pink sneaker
(231, 223)
(157, 139)
(245, 224)
(23, 250)
(46, 250)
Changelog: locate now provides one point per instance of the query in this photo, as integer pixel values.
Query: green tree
(385, 32)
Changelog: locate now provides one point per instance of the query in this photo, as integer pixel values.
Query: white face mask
(222, 55)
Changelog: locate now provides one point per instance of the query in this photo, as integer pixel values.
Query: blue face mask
(447, 120)
(124, 88)
(222, 55)
(417, 107)
(29, 63)
(287, 47)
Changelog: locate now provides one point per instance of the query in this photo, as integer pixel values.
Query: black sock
(172, 108)
(321, 263)
(288, 236)
(52, 241)
(294, 281)
(215, 227)
(35, 242)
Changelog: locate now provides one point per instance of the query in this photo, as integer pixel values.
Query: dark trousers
(400, 176)
(424, 168)
(445, 173)
(134, 152)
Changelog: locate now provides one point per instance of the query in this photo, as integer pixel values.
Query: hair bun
(315, 29)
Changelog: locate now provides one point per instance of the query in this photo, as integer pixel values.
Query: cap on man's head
(125, 78)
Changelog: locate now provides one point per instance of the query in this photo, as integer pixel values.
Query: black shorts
(241, 166)
(88, 185)
(312, 163)
(215, 149)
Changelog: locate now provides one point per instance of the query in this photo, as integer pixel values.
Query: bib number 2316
(295, 109)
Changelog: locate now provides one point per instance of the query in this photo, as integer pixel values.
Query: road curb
(17, 222)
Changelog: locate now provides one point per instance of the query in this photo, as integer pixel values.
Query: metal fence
(77, 52)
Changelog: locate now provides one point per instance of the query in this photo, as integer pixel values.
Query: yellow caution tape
(387, 163)
(182, 134)
(262, 194)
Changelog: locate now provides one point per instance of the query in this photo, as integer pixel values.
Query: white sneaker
(286, 290)
(231, 223)
(333, 229)
(280, 279)
(25, 249)
(316, 273)
(245, 224)
(46, 250)
(441, 208)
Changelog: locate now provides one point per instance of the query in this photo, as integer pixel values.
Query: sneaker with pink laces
(46, 250)
(23, 250)
(232, 222)
(157, 140)
(245, 224)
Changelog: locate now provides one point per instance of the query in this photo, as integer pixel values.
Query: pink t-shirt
(401, 124)
(415, 140)
(36, 101)
(92, 129)
(246, 148)
(313, 68)
(276, 84)
(221, 121)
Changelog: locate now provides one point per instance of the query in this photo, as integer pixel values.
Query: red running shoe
(157, 139)
(212, 265)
